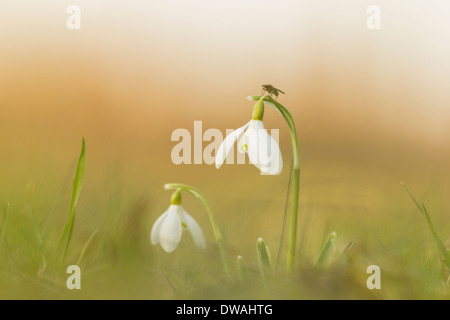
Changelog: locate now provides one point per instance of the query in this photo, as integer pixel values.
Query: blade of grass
(242, 270)
(42, 248)
(2, 239)
(263, 255)
(438, 240)
(174, 282)
(66, 235)
(327, 251)
(83, 251)
(422, 208)
(56, 201)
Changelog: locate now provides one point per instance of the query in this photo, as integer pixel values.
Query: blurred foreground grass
(360, 199)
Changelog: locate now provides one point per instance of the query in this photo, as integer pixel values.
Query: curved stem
(296, 174)
(196, 193)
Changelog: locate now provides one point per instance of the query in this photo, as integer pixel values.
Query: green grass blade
(53, 209)
(263, 255)
(2, 239)
(83, 251)
(242, 270)
(66, 235)
(41, 244)
(327, 251)
(174, 282)
(437, 239)
(78, 181)
(412, 196)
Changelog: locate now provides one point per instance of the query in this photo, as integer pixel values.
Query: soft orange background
(368, 104)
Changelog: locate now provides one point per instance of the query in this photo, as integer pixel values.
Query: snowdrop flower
(168, 228)
(263, 151)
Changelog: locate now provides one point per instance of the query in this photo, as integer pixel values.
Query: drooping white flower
(263, 151)
(168, 228)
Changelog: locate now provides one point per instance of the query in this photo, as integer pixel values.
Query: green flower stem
(296, 174)
(196, 193)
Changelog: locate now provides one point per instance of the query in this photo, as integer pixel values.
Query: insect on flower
(271, 90)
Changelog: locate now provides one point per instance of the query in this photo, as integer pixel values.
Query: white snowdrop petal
(227, 144)
(170, 232)
(252, 137)
(154, 234)
(263, 150)
(271, 161)
(194, 229)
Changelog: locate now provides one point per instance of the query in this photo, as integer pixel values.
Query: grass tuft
(63, 243)
(422, 208)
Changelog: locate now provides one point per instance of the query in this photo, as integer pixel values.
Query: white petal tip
(168, 246)
(169, 250)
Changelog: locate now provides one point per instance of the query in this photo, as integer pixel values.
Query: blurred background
(372, 108)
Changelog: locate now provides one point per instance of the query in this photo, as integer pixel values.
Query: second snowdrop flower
(263, 151)
(168, 228)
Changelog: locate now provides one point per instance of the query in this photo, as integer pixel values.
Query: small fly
(270, 89)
